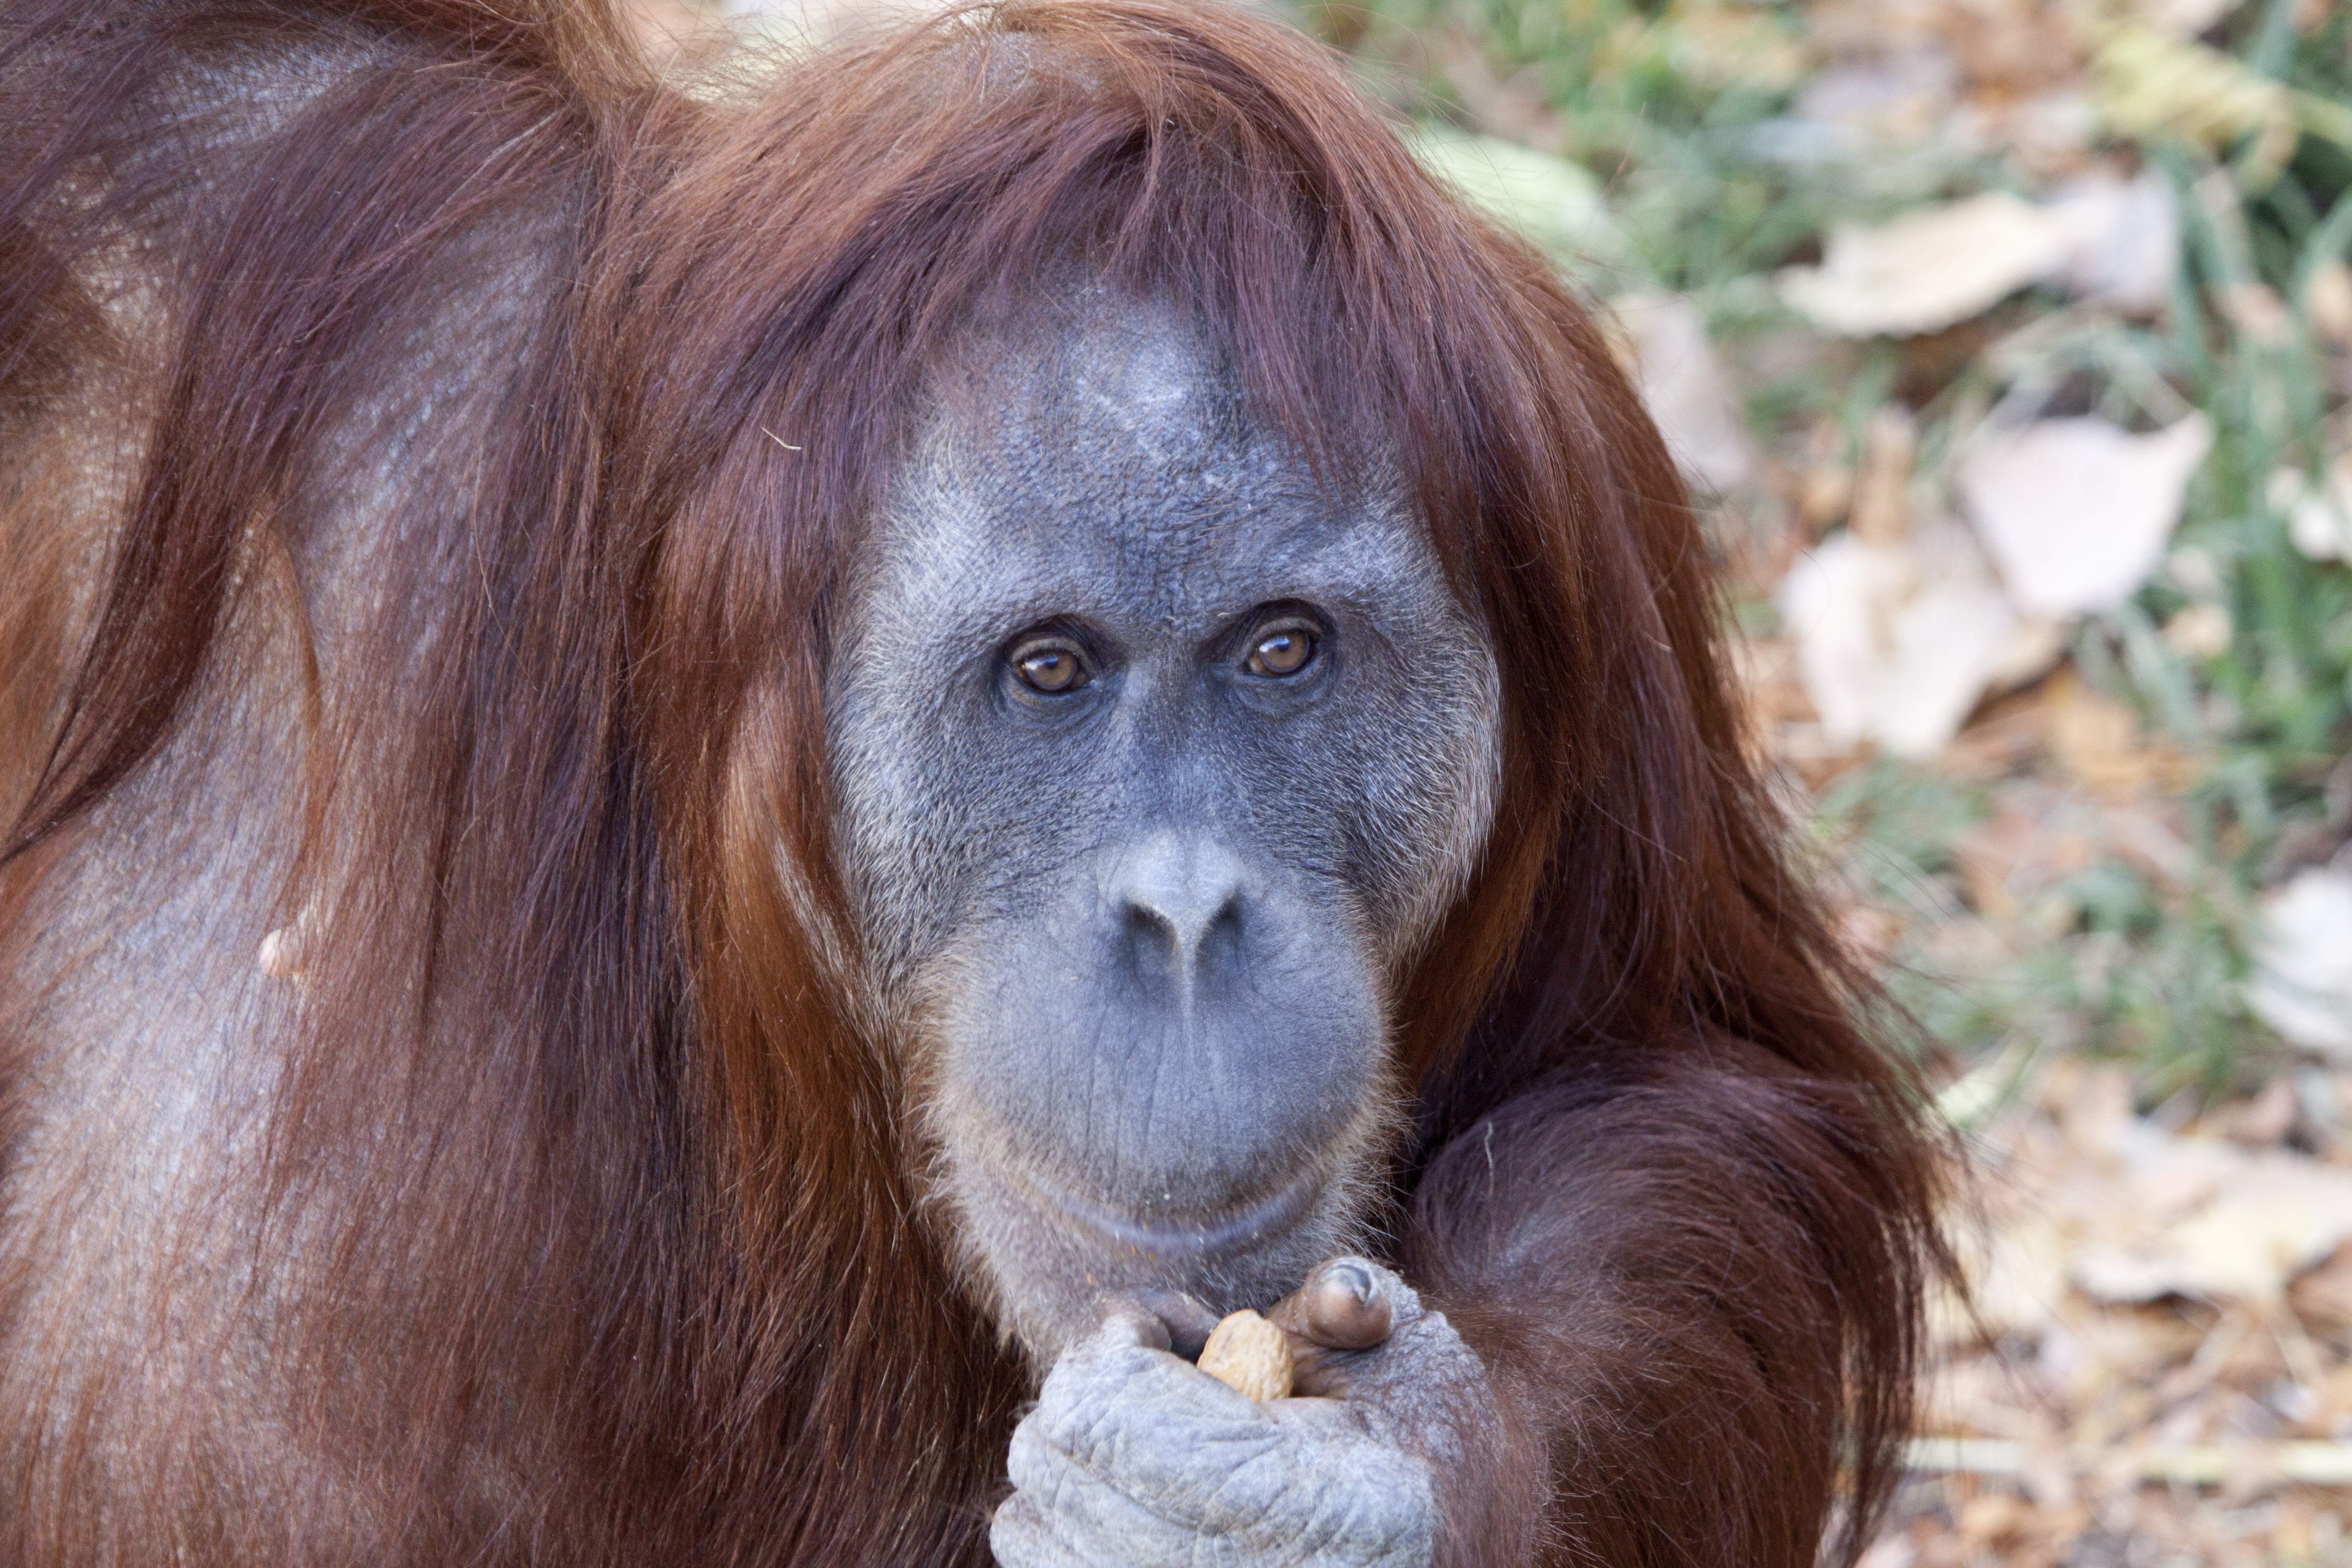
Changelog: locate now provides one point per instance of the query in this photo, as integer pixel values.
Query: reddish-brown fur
(423, 487)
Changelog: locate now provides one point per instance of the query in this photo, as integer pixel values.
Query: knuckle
(1029, 1462)
(1021, 1535)
(1077, 1429)
(1403, 1298)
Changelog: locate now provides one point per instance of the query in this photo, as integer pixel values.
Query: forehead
(1101, 462)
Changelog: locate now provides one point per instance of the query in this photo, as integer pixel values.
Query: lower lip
(1230, 1233)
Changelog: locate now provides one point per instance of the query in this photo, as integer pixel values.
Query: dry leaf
(1929, 268)
(2258, 1219)
(1881, 500)
(2012, 49)
(1727, 46)
(1993, 1518)
(1822, 495)
(2323, 1295)
(2124, 238)
(2303, 962)
(2319, 518)
(2328, 300)
(2270, 1228)
(2149, 85)
(2017, 1286)
(1890, 1551)
(1902, 98)
(2086, 1399)
(2199, 631)
(1684, 383)
(2255, 310)
(2264, 1119)
(2104, 237)
(2076, 511)
(2098, 740)
(2183, 18)
(1550, 200)
(1897, 643)
(2013, 855)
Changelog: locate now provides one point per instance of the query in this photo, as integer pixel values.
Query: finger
(1127, 1321)
(1138, 1419)
(1346, 1304)
(1187, 1319)
(1125, 1355)
(1350, 1305)
(1027, 1534)
(1115, 1389)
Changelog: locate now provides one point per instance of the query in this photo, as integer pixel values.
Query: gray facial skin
(1138, 935)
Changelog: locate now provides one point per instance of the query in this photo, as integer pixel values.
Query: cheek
(1408, 788)
(934, 823)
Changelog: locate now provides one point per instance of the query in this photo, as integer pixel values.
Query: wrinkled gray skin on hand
(1136, 939)
(1134, 1459)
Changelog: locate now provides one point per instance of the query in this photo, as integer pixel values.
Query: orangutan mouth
(1188, 1238)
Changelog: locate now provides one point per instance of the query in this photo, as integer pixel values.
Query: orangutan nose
(1181, 901)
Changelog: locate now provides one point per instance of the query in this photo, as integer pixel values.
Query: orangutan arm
(1688, 1302)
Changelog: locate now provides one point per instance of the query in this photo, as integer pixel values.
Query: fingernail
(1347, 1309)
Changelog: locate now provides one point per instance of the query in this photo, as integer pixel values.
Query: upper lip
(1229, 1230)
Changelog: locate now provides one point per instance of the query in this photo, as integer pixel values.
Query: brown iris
(1050, 668)
(1281, 653)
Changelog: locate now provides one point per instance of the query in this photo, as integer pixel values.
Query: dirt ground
(2158, 1369)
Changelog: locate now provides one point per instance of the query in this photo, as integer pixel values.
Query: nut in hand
(1249, 1355)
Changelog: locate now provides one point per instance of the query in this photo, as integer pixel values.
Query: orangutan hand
(1134, 1459)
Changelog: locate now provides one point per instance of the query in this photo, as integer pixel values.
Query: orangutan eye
(1051, 668)
(1283, 652)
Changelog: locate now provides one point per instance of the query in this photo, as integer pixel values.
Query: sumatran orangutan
(722, 802)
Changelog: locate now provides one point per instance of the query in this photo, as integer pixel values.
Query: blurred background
(2008, 344)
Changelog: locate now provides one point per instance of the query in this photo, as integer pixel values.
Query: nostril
(1149, 924)
(1185, 929)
